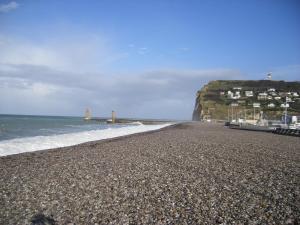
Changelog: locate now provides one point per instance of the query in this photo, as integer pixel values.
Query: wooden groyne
(281, 131)
(290, 132)
(250, 127)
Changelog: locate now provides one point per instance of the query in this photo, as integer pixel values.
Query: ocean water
(31, 133)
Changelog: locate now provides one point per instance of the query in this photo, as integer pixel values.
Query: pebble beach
(189, 173)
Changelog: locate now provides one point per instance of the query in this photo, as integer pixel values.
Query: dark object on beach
(284, 131)
(41, 219)
(227, 124)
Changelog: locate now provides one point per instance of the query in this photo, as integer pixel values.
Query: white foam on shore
(30, 144)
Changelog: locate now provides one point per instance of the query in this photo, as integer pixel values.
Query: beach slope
(192, 173)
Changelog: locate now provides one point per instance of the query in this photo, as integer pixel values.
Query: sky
(141, 58)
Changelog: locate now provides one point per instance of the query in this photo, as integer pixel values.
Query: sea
(23, 133)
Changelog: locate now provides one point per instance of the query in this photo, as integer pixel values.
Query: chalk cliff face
(197, 109)
(219, 99)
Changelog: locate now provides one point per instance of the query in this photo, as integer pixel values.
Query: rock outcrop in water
(221, 99)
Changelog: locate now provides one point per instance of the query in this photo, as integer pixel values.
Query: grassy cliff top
(255, 85)
(215, 98)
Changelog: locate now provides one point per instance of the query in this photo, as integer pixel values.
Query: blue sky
(51, 50)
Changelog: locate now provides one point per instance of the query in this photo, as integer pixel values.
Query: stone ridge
(192, 173)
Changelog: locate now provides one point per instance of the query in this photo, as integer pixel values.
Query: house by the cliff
(237, 94)
(229, 94)
(262, 96)
(285, 105)
(271, 105)
(282, 94)
(249, 93)
(256, 105)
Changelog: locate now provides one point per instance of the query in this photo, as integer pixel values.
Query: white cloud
(184, 49)
(8, 7)
(143, 51)
(152, 94)
(64, 75)
(69, 53)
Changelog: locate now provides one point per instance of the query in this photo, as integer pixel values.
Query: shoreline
(192, 173)
(59, 136)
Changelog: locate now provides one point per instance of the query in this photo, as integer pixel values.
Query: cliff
(221, 99)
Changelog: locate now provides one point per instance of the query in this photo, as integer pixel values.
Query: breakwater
(128, 121)
(274, 130)
(290, 132)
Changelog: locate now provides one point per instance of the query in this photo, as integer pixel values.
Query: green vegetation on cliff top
(215, 99)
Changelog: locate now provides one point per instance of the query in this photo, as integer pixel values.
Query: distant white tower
(87, 115)
(269, 76)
